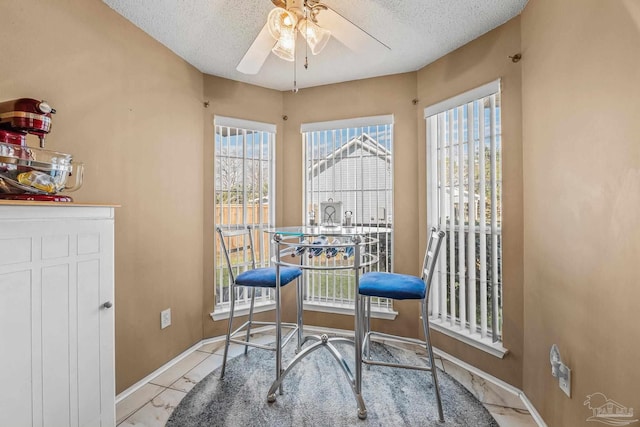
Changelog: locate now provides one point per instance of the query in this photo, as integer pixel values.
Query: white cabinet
(56, 315)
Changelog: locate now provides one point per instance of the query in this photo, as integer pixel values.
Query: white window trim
(242, 310)
(243, 124)
(357, 122)
(376, 312)
(475, 340)
(463, 98)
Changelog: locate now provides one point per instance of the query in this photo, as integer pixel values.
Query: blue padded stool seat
(266, 277)
(392, 285)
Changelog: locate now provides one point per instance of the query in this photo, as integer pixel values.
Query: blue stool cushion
(266, 277)
(392, 285)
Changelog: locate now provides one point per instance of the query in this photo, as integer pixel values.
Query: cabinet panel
(56, 246)
(88, 243)
(15, 251)
(15, 357)
(89, 343)
(55, 345)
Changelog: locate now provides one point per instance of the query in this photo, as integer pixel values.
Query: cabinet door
(94, 325)
(57, 336)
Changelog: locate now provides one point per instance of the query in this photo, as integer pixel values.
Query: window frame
(265, 303)
(443, 320)
(337, 126)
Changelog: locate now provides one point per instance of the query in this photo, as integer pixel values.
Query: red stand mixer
(30, 173)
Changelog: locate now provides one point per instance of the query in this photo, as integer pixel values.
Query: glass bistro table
(351, 242)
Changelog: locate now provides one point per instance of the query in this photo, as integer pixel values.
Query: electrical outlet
(165, 318)
(565, 381)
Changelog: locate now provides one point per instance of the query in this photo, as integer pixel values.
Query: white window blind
(349, 161)
(244, 170)
(464, 184)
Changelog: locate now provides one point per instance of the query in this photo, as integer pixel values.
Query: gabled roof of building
(364, 141)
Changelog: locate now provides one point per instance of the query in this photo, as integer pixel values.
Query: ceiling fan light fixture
(285, 48)
(279, 20)
(316, 37)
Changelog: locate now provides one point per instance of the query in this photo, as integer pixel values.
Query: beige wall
(132, 111)
(581, 104)
(480, 61)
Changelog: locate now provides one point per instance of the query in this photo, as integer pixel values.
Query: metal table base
(323, 340)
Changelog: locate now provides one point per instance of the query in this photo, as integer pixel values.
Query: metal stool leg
(253, 298)
(300, 307)
(359, 337)
(232, 299)
(434, 373)
(278, 326)
(367, 339)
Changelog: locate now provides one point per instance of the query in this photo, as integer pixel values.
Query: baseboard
(495, 381)
(480, 373)
(135, 387)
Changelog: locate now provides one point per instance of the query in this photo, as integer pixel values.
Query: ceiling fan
(315, 21)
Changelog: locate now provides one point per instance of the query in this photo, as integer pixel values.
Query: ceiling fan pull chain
(295, 62)
(306, 45)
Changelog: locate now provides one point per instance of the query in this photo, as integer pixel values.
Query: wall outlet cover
(165, 318)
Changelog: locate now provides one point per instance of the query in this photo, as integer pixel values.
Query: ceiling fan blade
(258, 52)
(344, 30)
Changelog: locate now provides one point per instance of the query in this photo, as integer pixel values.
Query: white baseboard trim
(135, 387)
(157, 372)
(495, 381)
(480, 373)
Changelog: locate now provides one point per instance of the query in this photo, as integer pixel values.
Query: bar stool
(401, 287)
(238, 249)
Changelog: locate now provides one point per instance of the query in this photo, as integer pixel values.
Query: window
(464, 184)
(349, 161)
(244, 195)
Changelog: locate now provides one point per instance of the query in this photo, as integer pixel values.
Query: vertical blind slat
(483, 229)
(494, 215)
(452, 219)
(432, 165)
(443, 217)
(462, 298)
(471, 241)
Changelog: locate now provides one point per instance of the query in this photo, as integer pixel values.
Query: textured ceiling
(213, 35)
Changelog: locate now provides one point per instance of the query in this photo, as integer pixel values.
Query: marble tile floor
(152, 404)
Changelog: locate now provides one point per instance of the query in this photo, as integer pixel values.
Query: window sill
(348, 310)
(222, 313)
(474, 340)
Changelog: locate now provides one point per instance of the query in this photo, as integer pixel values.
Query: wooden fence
(230, 214)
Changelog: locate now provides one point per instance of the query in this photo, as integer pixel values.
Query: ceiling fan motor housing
(296, 7)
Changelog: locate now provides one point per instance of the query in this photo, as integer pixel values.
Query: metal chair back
(430, 257)
(237, 241)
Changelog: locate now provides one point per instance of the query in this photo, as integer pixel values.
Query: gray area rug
(317, 393)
